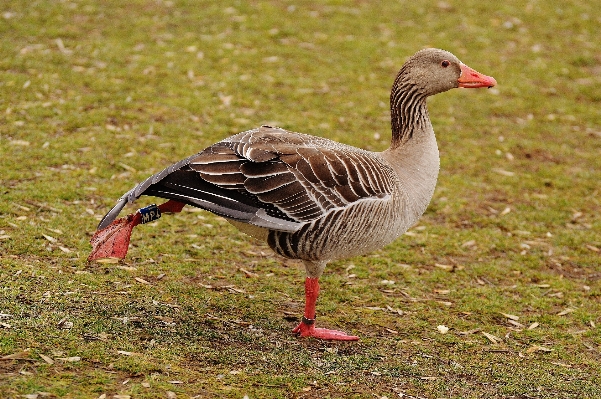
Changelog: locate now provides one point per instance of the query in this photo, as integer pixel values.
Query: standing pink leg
(113, 240)
(306, 328)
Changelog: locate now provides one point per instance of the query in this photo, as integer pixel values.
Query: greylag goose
(307, 197)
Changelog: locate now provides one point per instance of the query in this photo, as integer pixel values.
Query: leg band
(150, 213)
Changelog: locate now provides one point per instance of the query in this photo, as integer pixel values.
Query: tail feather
(227, 203)
(188, 187)
(113, 213)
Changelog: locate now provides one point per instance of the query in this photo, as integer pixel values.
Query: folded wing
(269, 177)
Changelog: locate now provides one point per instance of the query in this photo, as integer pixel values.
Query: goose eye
(445, 63)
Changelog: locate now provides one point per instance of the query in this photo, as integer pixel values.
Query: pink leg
(306, 328)
(172, 206)
(113, 240)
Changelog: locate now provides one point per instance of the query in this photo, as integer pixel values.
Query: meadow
(495, 293)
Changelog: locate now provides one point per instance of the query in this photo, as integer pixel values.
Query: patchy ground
(494, 294)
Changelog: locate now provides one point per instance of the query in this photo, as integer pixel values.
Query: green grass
(95, 96)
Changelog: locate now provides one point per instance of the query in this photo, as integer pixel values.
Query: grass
(95, 96)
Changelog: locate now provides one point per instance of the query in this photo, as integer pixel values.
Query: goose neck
(408, 112)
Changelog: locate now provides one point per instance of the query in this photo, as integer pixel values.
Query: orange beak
(472, 79)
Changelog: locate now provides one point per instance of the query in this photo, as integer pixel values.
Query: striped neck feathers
(408, 110)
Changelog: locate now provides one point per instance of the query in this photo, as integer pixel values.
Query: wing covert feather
(303, 176)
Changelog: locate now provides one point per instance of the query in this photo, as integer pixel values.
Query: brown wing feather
(303, 176)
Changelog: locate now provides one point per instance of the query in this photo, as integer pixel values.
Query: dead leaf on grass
(588, 346)
(22, 207)
(142, 281)
(23, 355)
(510, 316)
(169, 321)
(127, 167)
(515, 323)
(50, 238)
(108, 260)
(565, 312)
(64, 324)
(393, 310)
(19, 142)
(538, 348)
(387, 308)
(492, 338)
(533, 326)
(127, 268)
(503, 172)
(248, 273)
(71, 359)
(561, 364)
(47, 359)
(470, 332)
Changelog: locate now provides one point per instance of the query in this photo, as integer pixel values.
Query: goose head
(434, 71)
